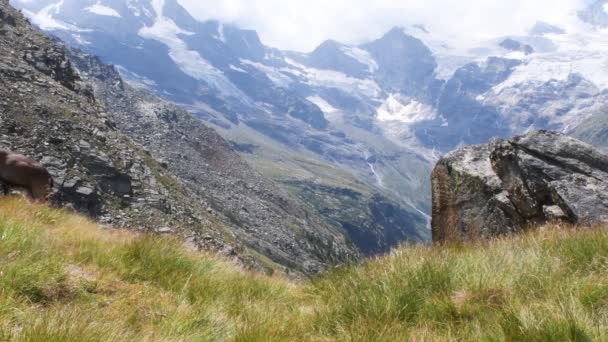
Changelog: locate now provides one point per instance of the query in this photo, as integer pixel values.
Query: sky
(302, 25)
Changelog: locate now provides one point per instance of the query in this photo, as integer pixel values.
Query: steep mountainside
(130, 159)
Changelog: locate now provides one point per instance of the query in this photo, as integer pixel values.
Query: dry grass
(63, 278)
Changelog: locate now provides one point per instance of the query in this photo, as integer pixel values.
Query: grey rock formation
(503, 187)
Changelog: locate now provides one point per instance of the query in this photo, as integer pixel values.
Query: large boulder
(503, 187)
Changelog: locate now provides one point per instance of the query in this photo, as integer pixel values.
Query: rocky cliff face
(495, 189)
(129, 159)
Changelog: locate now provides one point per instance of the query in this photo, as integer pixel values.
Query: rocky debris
(505, 186)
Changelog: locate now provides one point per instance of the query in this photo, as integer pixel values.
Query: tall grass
(63, 278)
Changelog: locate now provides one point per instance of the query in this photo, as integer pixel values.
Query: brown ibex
(21, 171)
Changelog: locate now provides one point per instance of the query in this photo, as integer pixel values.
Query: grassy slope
(63, 278)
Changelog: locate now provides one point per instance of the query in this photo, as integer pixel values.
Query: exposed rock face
(495, 189)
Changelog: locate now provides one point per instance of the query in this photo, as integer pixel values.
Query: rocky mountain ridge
(131, 160)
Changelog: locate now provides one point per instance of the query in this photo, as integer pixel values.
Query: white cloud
(302, 25)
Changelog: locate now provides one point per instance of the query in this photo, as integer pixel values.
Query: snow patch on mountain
(80, 40)
(377, 175)
(364, 88)
(235, 68)
(190, 62)
(133, 7)
(585, 55)
(45, 19)
(330, 111)
(220, 33)
(274, 74)
(515, 55)
(138, 9)
(135, 79)
(396, 108)
(362, 57)
(101, 9)
(449, 53)
(538, 71)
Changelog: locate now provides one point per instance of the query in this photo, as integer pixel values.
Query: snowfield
(100, 9)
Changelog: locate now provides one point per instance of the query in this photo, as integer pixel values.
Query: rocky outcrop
(505, 186)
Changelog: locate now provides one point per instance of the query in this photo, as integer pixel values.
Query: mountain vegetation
(64, 278)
